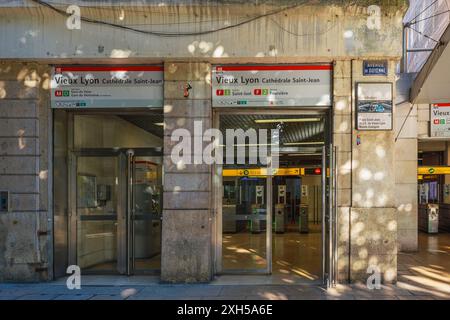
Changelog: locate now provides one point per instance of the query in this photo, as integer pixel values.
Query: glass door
(116, 211)
(146, 213)
(99, 214)
(246, 226)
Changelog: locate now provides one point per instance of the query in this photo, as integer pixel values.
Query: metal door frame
(125, 232)
(217, 193)
(329, 215)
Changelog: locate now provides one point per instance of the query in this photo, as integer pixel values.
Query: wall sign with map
(374, 106)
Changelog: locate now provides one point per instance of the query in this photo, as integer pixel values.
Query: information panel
(374, 106)
(87, 87)
(271, 86)
(440, 120)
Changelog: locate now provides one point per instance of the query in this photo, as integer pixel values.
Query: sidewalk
(155, 291)
(423, 275)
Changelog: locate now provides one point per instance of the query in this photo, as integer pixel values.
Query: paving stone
(38, 297)
(73, 297)
(107, 297)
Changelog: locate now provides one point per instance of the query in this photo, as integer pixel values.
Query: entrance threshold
(264, 280)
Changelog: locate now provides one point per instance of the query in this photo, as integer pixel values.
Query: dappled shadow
(427, 272)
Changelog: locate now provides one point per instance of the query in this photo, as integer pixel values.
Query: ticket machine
(280, 210)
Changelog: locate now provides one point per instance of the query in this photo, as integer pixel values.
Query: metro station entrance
(277, 221)
(111, 187)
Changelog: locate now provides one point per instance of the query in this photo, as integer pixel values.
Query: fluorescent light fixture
(159, 124)
(304, 143)
(253, 145)
(288, 120)
(304, 154)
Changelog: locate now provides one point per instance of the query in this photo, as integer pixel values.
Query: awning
(432, 84)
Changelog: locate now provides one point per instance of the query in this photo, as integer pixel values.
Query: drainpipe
(404, 64)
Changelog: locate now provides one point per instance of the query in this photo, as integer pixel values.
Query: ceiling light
(159, 124)
(304, 154)
(304, 143)
(288, 120)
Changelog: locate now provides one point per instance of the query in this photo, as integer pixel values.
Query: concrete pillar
(373, 216)
(25, 231)
(406, 153)
(186, 234)
(342, 132)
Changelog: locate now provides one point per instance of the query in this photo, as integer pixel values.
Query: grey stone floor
(423, 275)
(155, 291)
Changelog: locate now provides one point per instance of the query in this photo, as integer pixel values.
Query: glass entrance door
(99, 214)
(278, 221)
(145, 215)
(246, 223)
(117, 211)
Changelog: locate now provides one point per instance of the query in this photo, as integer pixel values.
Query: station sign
(271, 86)
(433, 170)
(440, 120)
(374, 106)
(263, 172)
(88, 87)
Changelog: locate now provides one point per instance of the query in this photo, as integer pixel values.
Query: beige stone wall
(406, 151)
(187, 220)
(367, 214)
(25, 231)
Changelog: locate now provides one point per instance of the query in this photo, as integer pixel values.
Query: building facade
(95, 178)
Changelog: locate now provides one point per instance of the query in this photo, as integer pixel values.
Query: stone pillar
(187, 223)
(342, 133)
(406, 152)
(373, 216)
(25, 231)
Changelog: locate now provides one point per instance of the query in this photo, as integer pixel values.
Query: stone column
(186, 228)
(373, 216)
(25, 231)
(342, 133)
(406, 152)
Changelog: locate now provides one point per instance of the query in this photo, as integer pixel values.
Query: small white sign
(271, 86)
(440, 120)
(374, 106)
(84, 87)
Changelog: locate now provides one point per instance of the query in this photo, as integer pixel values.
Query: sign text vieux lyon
(246, 80)
(88, 81)
(272, 85)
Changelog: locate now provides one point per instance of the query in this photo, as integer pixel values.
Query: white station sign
(440, 120)
(271, 86)
(86, 87)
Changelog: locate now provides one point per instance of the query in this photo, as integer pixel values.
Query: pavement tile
(182, 290)
(73, 297)
(107, 297)
(38, 297)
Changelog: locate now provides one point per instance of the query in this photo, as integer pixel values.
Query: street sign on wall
(440, 120)
(375, 68)
(84, 87)
(374, 106)
(271, 86)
